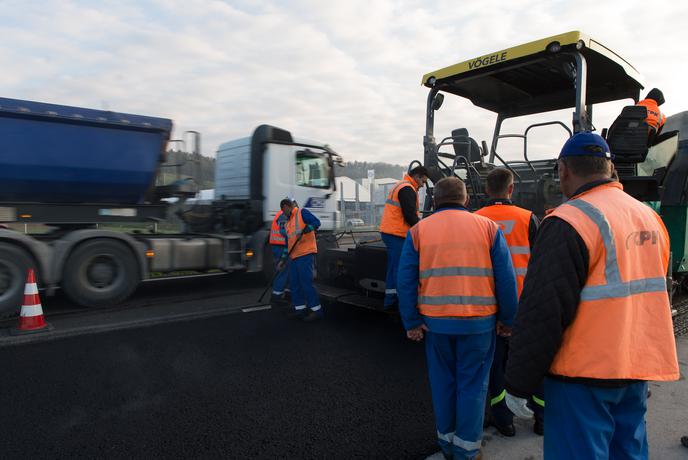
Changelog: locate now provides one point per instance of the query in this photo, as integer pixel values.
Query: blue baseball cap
(586, 144)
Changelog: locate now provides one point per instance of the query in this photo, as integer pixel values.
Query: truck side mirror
(437, 101)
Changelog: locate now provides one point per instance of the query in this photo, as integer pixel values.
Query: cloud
(345, 73)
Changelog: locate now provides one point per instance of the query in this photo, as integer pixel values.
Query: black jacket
(557, 272)
(408, 199)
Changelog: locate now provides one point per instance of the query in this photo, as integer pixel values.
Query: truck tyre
(100, 273)
(14, 265)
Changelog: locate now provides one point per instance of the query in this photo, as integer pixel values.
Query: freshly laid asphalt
(252, 385)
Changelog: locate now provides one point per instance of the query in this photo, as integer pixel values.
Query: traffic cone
(31, 319)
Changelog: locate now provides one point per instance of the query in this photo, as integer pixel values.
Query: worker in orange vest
(399, 215)
(519, 227)
(456, 286)
(655, 118)
(301, 248)
(594, 316)
(278, 241)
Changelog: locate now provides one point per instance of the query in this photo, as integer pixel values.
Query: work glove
(308, 229)
(518, 406)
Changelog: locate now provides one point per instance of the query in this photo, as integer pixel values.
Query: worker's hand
(308, 229)
(502, 330)
(281, 264)
(518, 406)
(416, 334)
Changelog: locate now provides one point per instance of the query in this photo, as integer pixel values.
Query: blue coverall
(281, 281)
(303, 293)
(394, 245)
(600, 422)
(459, 351)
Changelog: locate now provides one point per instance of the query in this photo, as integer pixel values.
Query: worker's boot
(313, 316)
(503, 419)
(277, 300)
(393, 307)
(507, 430)
(297, 314)
(539, 427)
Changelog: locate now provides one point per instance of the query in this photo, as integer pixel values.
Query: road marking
(262, 307)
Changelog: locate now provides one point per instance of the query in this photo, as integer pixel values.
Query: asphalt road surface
(238, 386)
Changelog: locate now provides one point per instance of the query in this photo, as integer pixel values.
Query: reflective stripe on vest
(622, 328)
(515, 225)
(395, 193)
(393, 222)
(276, 237)
(307, 243)
(455, 269)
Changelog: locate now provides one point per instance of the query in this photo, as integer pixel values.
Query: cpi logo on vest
(642, 237)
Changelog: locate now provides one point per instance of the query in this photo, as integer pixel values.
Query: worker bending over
(519, 227)
(594, 315)
(400, 214)
(456, 285)
(301, 246)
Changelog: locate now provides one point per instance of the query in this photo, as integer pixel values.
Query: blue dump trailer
(58, 154)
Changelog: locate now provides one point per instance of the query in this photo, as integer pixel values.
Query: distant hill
(359, 170)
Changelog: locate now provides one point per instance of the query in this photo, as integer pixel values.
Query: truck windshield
(312, 169)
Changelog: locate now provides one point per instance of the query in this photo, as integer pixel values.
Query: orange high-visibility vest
(393, 222)
(515, 223)
(622, 328)
(276, 238)
(295, 226)
(455, 268)
(655, 118)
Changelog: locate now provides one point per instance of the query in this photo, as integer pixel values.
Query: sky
(344, 73)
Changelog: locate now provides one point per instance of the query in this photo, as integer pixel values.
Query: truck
(561, 72)
(77, 170)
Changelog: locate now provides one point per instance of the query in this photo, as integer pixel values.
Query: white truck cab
(272, 165)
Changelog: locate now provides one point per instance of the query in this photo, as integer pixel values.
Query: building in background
(353, 199)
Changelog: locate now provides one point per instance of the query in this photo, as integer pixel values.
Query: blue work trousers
(536, 403)
(459, 368)
(594, 423)
(501, 415)
(281, 280)
(303, 293)
(394, 246)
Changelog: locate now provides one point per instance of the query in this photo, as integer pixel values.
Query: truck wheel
(100, 273)
(14, 264)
